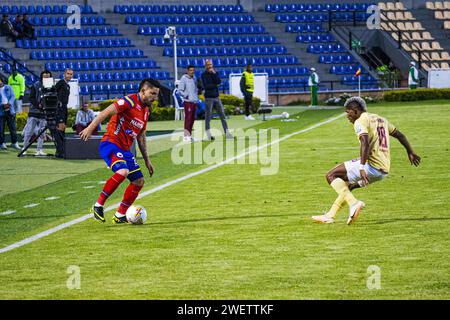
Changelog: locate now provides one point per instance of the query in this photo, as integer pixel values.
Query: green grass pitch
(231, 233)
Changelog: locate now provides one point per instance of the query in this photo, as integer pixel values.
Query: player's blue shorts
(117, 158)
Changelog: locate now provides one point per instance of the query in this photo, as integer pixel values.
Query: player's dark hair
(149, 82)
(190, 66)
(43, 72)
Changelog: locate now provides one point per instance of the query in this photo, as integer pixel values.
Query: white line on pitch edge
(51, 198)
(7, 213)
(163, 186)
(31, 205)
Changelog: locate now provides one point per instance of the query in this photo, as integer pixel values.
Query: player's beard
(148, 102)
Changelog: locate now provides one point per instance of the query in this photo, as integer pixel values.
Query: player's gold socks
(337, 205)
(341, 188)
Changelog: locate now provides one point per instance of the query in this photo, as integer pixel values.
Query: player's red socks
(110, 186)
(129, 196)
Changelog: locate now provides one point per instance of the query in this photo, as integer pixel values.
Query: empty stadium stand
(121, 45)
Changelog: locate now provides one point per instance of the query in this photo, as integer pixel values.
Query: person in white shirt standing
(413, 76)
(313, 83)
(189, 91)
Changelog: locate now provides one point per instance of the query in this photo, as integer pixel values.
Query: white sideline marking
(31, 205)
(7, 212)
(163, 186)
(88, 187)
(51, 198)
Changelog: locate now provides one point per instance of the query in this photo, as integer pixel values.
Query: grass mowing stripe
(83, 218)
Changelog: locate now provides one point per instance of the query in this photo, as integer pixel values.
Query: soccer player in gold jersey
(374, 163)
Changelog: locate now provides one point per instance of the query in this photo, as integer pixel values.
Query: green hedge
(21, 121)
(416, 95)
(232, 106)
(238, 104)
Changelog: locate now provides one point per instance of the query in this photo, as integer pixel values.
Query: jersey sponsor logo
(121, 102)
(119, 155)
(119, 126)
(137, 123)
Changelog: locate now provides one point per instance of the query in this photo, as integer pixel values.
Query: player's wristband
(362, 167)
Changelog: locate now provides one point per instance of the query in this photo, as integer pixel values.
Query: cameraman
(36, 117)
(63, 92)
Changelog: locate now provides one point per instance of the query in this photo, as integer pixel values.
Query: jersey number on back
(382, 137)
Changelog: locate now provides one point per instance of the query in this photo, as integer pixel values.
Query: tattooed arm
(142, 143)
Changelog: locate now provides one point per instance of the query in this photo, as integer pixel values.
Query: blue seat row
(293, 7)
(173, 9)
(326, 48)
(102, 65)
(283, 71)
(271, 71)
(121, 76)
(56, 9)
(322, 17)
(80, 43)
(108, 88)
(86, 54)
(340, 58)
(305, 17)
(222, 40)
(288, 83)
(240, 62)
(7, 68)
(209, 30)
(368, 79)
(62, 21)
(308, 38)
(226, 51)
(346, 69)
(210, 19)
(83, 32)
(295, 28)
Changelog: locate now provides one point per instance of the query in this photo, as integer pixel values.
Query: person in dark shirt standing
(28, 29)
(210, 83)
(63, 92)
(7, 29)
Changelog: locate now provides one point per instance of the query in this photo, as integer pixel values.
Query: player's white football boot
(323, 219)
(354, 212)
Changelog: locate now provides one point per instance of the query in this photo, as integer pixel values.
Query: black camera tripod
(49, 106)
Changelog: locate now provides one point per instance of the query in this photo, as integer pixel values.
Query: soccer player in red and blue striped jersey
(129, 116)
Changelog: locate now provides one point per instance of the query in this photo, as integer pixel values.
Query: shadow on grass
(219, 219)
(385, 221)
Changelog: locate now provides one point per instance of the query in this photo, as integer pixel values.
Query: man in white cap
(313, 83)
(413, 76)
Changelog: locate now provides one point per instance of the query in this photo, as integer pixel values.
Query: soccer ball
(285, 115)
(136, 215)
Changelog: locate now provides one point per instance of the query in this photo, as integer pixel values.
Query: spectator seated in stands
(7, 28)
(84, 119)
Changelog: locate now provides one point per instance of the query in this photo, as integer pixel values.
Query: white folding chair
(179, 108)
